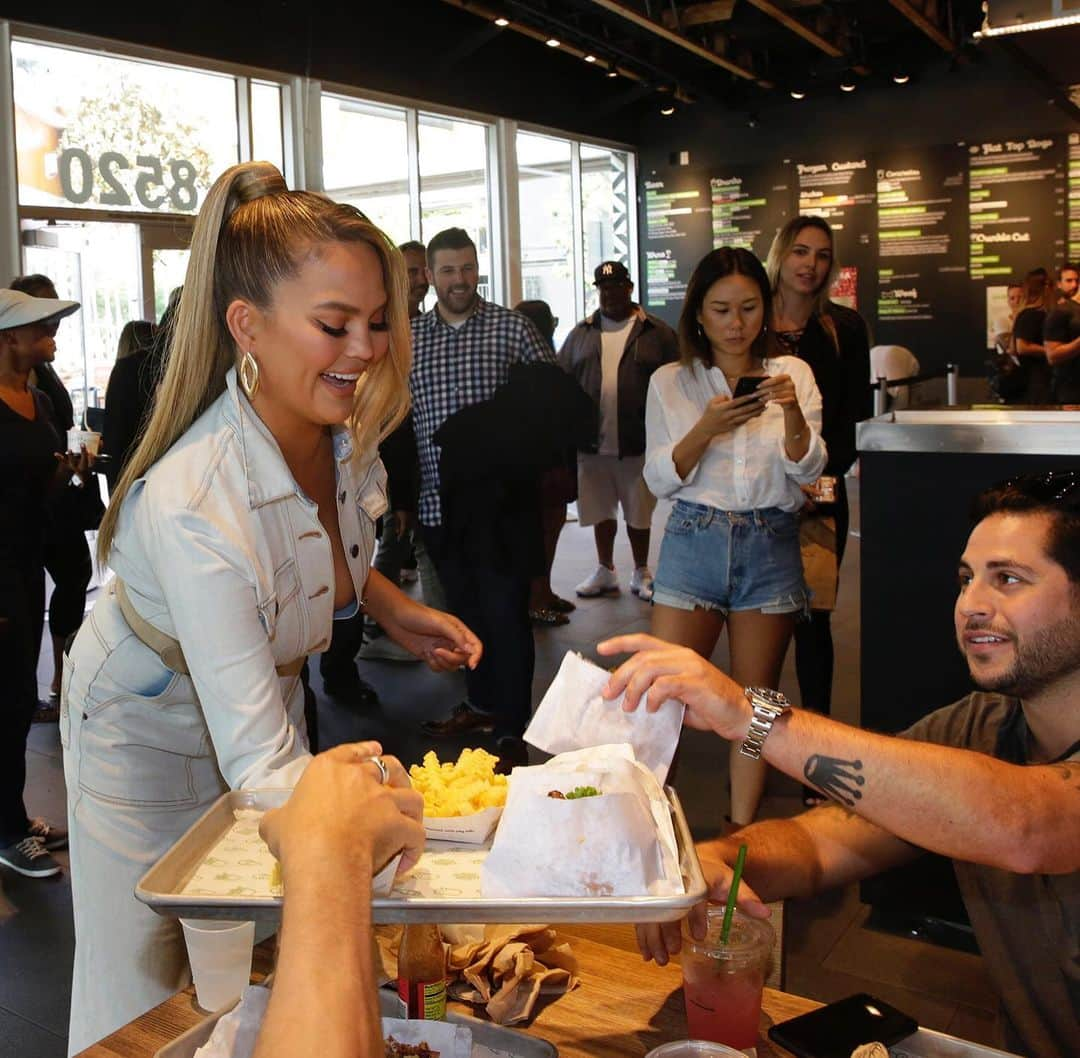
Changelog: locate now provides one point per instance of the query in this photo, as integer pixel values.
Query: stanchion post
(952, 372)
(879, 397)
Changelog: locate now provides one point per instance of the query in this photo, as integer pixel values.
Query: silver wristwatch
(768, 707)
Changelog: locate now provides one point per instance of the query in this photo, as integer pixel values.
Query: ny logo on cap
(607, 269)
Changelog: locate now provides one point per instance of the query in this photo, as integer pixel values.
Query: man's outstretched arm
(960, 803)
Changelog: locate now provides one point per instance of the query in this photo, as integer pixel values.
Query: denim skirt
(731, 560)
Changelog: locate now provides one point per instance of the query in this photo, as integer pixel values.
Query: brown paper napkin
(505, 971)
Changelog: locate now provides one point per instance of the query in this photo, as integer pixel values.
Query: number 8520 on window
(152, 187)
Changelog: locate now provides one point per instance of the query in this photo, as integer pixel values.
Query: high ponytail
(249, 236)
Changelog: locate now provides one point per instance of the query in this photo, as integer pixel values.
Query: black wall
(947, 106)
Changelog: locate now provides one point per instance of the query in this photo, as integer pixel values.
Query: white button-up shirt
(220, 549)
(746, 469)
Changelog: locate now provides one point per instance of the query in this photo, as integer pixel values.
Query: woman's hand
(72, 464)
(779, 389)
(659, 941)
(342, 818)
(724, 414)
(437, 638)
(659, 671)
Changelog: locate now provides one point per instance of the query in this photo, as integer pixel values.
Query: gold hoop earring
(249, 375)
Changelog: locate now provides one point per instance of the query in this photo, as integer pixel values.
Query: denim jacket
(220, 549)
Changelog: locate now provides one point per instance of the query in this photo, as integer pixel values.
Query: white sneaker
(641, 583)
(601, 582)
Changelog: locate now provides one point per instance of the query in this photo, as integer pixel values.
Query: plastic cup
(77, 439)
(722, 983)
(694, 1049)
(220, 957)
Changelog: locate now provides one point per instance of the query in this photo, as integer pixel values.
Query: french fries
(460, 789)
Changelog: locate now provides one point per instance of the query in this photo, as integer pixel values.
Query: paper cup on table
(88, 439)
(220, 957)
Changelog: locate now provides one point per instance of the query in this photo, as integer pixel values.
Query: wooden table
(623, 1007)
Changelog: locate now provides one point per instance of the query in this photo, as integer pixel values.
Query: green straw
(733, 895)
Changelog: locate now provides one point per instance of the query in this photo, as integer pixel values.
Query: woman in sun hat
(33, 472)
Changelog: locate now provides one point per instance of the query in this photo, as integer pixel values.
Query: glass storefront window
(547, 228)
(366, 160)
(605, 208)
(266, 139)
(102, 132)
(454, 184)
(97, 264)
(170, 267)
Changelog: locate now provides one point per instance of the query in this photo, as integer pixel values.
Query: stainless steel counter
(975, 430)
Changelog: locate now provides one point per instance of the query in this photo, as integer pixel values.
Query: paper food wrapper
(451, 1041)
(472, 829)
(573, 715)
(621, 843)
(235, 1033)
(503, 968)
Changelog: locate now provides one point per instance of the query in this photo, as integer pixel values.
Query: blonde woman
(833, 340)
(244, 523)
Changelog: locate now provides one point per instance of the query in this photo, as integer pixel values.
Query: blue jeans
(731, 560)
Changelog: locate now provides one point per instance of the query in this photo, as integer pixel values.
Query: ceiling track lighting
(667, 109)
(590, 58)
(847, 82)
(798, 93)
(1022, 26)
(553, 42)
(901, 76)
(502, 23)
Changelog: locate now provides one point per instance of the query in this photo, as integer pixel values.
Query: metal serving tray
(161, 888)
(489, 1039)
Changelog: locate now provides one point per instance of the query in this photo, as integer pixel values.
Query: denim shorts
(731, 560)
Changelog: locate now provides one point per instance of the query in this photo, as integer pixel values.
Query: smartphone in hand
(747, 384)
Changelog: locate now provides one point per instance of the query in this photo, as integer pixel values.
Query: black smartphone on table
(836, 1030)
(747, 384)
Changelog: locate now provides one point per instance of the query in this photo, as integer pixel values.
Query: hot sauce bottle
(422, 972)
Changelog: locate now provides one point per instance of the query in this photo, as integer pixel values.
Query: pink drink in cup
(722, 983)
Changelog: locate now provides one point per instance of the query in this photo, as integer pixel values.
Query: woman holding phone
(242, 527)
(732, 435)
(833, 340)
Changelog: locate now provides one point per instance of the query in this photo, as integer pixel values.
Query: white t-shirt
(747, 469)
(613, 335)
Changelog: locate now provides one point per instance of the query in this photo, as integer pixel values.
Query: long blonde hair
(782, 245)
(251, 234)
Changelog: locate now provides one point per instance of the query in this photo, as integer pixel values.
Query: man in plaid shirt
(463, 350)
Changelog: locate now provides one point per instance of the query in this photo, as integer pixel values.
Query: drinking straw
(733, 895)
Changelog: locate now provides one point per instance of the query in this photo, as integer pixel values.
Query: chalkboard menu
(922, 252)
(926, 237)
(1073, 195)
(749, 206)
(843, 192)
(1017, 206)
(678, 222)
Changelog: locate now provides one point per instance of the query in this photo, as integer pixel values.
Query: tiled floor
(829, 953)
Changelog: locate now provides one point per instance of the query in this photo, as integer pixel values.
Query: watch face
(767, 696)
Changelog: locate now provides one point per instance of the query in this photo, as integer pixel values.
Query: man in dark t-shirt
(992, 781)
(1061, 337)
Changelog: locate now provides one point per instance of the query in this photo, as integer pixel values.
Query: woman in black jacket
(34, 477)
(67, 556)
(834, 341)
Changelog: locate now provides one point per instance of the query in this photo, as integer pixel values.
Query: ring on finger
(384, 771)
